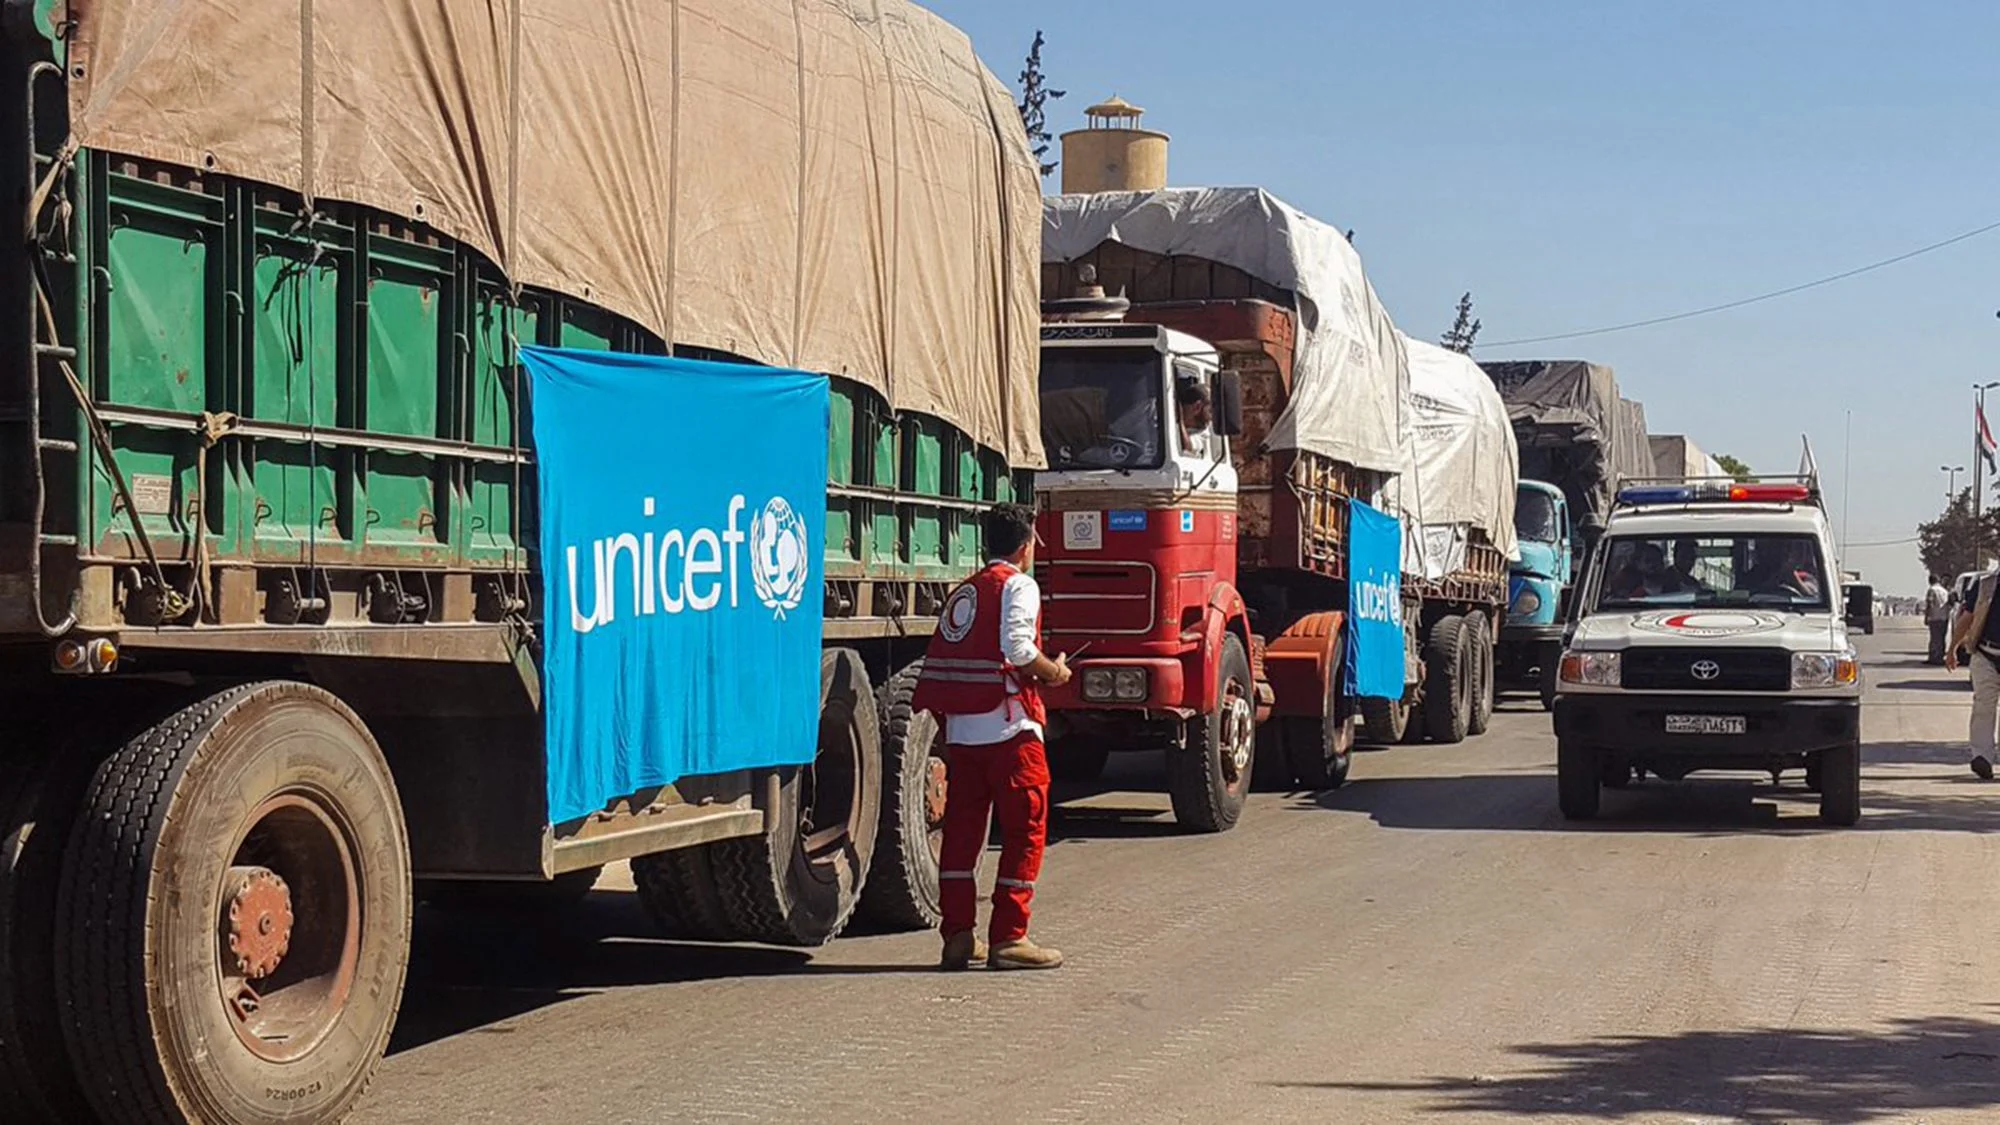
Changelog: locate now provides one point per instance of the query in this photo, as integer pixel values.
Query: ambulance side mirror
(1228, 404)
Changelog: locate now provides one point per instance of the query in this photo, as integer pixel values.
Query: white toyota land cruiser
(1710, 636)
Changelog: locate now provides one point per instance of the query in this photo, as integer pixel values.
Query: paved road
(1431, 943)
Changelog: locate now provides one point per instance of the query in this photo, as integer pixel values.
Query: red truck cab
(1138, 552)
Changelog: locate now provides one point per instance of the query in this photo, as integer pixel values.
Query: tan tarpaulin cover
(833, 185)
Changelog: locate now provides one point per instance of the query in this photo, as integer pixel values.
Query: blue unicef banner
(1375, 603)
(683, 512)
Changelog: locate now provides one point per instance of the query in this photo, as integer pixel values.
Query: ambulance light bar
(1712, 491)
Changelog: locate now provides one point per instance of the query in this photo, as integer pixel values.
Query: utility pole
(1978, 479)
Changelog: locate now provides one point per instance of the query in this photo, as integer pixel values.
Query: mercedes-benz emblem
(1705, 669)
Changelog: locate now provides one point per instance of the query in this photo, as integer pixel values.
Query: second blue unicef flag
(683, 515)
(1374, 603)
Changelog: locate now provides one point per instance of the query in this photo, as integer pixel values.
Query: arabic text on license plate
(1706, 724)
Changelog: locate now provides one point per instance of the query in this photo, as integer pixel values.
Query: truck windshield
(1783, 572)
(1101, 408)
(1536, 518)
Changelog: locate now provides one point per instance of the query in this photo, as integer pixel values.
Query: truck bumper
(1166, 686)
(1635, 725)
(1513, 634)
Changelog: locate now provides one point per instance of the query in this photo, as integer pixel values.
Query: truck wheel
(679, 889)
(1209, 777)
(1840, 785)
(1482, 675)
(902, 888)
(236, 896)
(799, 881)
(1578, 774)
(1319, 751)
(1448, 680)
(1385, 722)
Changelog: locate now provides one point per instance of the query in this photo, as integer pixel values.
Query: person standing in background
(1937, 616)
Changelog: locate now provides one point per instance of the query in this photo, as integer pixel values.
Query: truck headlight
(1824, 669)
(1097, 685)
(1527, 602)
(1128, 685)
(1597, 669)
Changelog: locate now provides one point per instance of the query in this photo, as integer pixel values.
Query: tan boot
(960, 951)
(1023, 954)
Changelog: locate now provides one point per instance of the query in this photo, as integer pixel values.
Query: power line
(1880, 543)
(1737, 304)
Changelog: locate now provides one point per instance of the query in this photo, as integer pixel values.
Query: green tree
(1950, 544)
(1733, 467)
(1464, 328)
(1035, 98)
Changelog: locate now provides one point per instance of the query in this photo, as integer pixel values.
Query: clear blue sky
(1576, 165)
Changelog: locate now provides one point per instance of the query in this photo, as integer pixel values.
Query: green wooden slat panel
(840, 436)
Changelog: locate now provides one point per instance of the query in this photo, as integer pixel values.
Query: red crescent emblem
(1677, 621)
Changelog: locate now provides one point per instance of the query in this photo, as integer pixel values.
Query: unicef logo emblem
(778, 549)
(959, 611)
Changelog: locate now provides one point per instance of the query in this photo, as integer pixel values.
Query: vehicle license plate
(1707, 724)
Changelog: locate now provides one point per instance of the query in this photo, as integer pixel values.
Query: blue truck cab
(1531, 639)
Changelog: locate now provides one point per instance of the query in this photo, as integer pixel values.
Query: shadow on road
(1949, 799)
(1958, 685)
(474, 970)
(1764, 1075)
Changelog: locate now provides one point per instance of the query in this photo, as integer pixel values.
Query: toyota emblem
(1705, 669)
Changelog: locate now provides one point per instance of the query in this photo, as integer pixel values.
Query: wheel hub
(1238, 735)
(260, 921)
(934, 792)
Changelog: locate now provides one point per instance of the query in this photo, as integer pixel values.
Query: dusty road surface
(1431, 943)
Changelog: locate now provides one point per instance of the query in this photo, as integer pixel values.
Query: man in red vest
(983, 674)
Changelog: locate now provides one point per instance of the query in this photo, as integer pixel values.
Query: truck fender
(1224, 613)
(1300, 660)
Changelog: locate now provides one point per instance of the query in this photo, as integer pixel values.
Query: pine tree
(1035, 97)
(1950, 543)
(1733, 467)
(1464, 328)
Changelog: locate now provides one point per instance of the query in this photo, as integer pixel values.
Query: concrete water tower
(1112, 153)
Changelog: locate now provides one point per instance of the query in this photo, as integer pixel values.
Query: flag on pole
(1987, 448)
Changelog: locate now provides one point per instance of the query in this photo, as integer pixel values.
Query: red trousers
(1011, 780)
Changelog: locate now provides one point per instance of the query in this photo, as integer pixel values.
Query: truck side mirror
(1228, 404)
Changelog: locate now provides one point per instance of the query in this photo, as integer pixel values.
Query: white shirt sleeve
(1020, 607)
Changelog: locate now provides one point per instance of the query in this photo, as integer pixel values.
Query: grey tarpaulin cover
(1574, 429)
(1676, 455)
(834, 185)
(1351, 378)
(1463, 444)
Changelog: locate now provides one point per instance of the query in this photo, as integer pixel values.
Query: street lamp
(1978, 459)
(1951, 481)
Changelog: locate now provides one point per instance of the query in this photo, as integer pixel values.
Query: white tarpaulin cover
(1676, 455)
(1466, 465)
(833, 185)
(1350, 376)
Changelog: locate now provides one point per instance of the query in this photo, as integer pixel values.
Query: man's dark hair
(1190, 391)
(1936, 581)
(1007, 528)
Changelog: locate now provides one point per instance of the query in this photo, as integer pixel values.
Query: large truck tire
(902, 888)
(798, 882)
(1319, 749)
(1840, 785)
(237, 894)
(1208, 779)
(679, 889)
(1483, 687)
(1579, 775)
(1385, 722)
(1448, 680)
